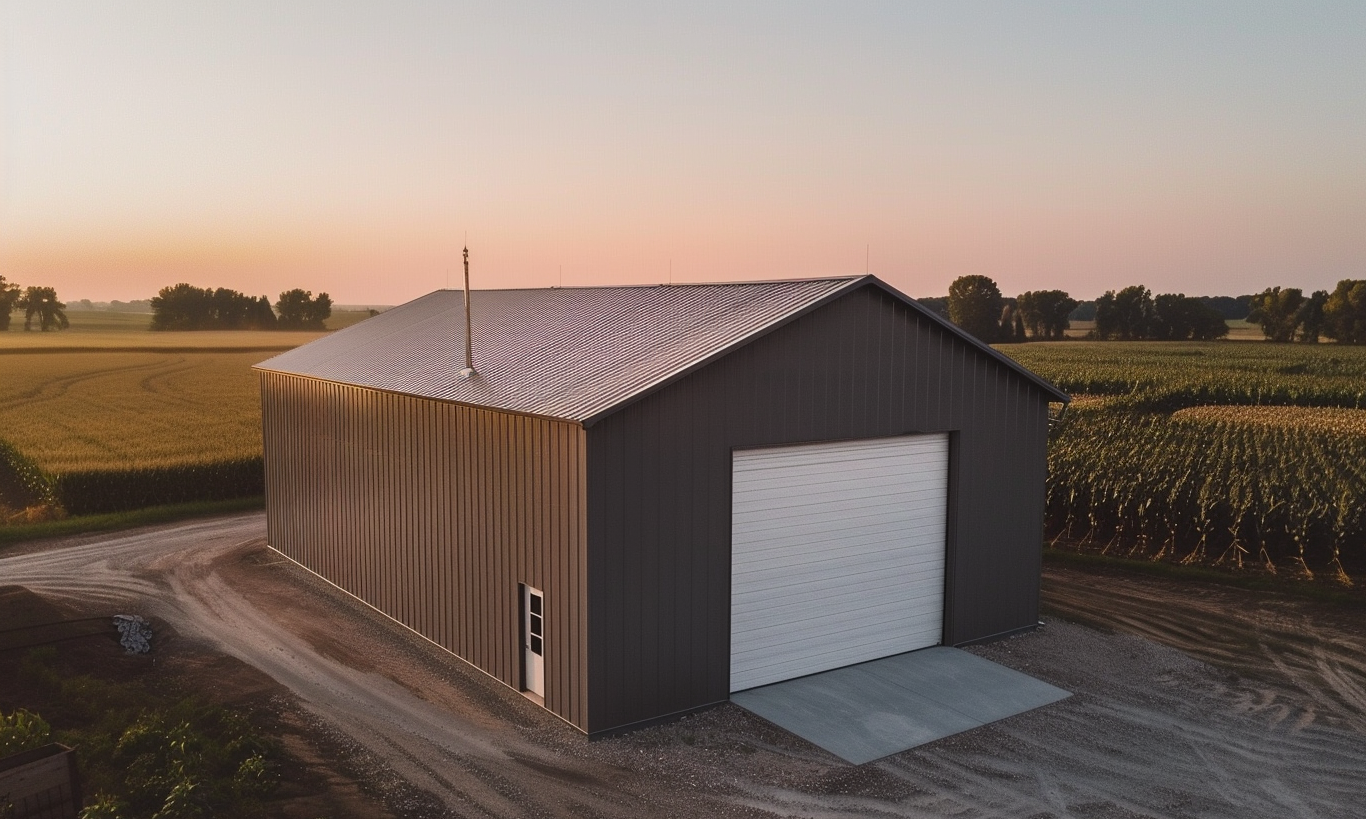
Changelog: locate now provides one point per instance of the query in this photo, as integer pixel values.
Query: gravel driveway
(1189, 701)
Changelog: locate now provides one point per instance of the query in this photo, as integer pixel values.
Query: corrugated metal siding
(433, 513)
(865, 365)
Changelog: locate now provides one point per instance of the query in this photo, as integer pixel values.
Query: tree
(1045, 312)
(298, 310)
(1344, 313)
(261, 316)
(186, 307)
(975, 305)
(42, 302)
(1177, 317)
(1277, 311)
(9, 299)
(937, 304)
(1125, 315)
(181, 307)
(1310, 317)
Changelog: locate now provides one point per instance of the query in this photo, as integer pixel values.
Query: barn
(644, 499)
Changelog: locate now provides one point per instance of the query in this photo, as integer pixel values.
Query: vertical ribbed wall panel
(659, 493)
(433, 513)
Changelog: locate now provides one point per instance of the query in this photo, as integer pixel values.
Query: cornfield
(107, 410)
(106, 431)
(1209, 492)
(1170, 376)
(1324, 419)
(1217, 453)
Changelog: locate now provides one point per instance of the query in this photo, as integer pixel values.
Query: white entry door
(533, 641)
(837, 554)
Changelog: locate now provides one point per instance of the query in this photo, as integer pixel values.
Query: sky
(354, 148)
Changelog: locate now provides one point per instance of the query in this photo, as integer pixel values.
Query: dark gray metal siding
(659, 493)
(433, 513)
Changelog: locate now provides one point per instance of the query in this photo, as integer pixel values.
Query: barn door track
(875, 709)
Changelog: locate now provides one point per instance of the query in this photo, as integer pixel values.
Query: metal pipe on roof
(469, 335)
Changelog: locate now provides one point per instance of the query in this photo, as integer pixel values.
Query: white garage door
(837, 555)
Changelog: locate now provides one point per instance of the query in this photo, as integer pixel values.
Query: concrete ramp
(865, 712)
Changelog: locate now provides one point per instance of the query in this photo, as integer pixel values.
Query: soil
(1188, 701)
(316, 777)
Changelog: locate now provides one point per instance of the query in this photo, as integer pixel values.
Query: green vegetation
(1045, 312)
(108, 417)
(975, 305)
(149, 752)
(186, 307)
(1219, 492)
(299, 310)
(101, 432)
(42, 303)
(1344, 312)
(19, 532)
(9, 299)
(1133, 313)
(92, 411)
(1171, 376)
(1210, 454)
(22, 731)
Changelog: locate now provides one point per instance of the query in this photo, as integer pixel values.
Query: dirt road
(1261, 713)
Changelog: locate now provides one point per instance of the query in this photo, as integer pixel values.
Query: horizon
(353, 149)
(370, 305)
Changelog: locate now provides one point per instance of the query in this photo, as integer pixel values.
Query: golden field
(108, 393)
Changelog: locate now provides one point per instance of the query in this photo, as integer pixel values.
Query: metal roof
(569, 353)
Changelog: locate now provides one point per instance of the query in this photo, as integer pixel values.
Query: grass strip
(125, 520)
(1323, 591)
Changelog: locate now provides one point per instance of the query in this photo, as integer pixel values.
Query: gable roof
(576, 353)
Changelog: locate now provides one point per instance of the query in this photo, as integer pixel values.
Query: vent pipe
(469, 335)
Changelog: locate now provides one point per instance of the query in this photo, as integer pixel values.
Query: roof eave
(401, 393)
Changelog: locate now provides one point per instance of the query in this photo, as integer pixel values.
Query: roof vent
(468, 372)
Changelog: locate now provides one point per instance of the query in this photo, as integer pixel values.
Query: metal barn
(647, 498)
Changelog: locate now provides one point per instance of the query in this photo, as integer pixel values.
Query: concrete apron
(867, 711)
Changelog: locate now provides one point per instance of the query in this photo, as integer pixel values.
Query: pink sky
(352, 148)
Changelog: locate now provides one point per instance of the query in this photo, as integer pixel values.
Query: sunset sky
(1206, 148)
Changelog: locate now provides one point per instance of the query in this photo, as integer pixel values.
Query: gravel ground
(1189, 701)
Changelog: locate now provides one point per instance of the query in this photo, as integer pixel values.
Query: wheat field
(106, 410)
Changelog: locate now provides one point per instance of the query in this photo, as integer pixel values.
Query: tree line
(1133, 313)
(40, 303)
(181, 307)
(186, 307)
(1288, 315)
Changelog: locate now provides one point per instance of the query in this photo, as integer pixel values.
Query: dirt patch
(1188, 701)
(314, 776)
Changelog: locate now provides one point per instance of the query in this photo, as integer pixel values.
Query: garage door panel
(814, 590)
(838, 452)
(794, 545)
(815, 546)
(807, 603)
(801, 524)
(889, 560)
(874, 477)
(769, 628)
(885, 472)
(837, 554)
